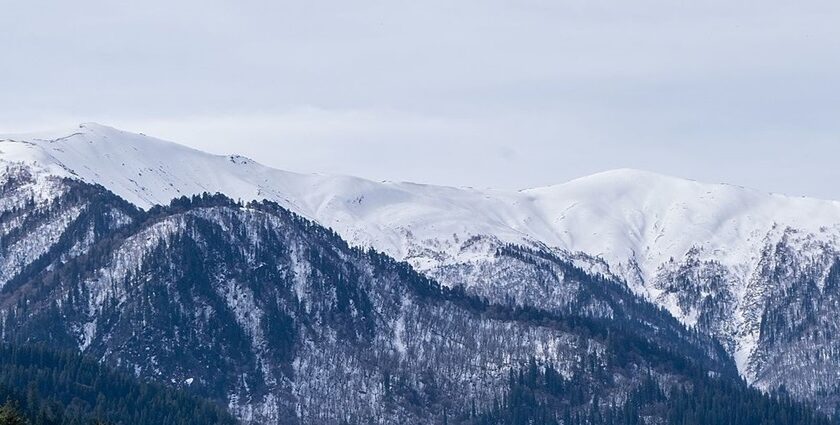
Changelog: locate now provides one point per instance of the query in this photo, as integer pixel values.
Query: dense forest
(542, 396)
(48, 387)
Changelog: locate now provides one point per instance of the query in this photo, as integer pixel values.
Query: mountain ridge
(631, 211)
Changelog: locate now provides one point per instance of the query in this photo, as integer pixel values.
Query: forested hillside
(278, 318)
(50, 387)
(543, 396)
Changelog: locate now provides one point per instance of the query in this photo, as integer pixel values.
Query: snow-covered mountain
(718, 257)
(617, 215)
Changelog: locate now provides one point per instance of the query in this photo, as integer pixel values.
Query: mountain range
(335, 298)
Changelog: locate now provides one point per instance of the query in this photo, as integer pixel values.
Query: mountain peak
(624, 176)
(628, 173)
(94, 126)
(144, 170)
(623, 183)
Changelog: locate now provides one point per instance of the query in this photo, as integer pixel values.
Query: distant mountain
(755, 271)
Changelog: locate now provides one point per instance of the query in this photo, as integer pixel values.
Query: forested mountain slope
(281, 320)
(51, 387)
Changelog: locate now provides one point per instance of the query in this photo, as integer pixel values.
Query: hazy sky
(485, 93)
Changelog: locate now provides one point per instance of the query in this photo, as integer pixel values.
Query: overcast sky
(485, 93)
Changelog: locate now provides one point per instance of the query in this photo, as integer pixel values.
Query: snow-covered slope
(616, 215)
(147, 171)
(680, 243)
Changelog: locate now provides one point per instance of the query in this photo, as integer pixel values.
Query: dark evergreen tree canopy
(541, 396)
(42, 386)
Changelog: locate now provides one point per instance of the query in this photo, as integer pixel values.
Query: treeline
(48, 387)
(542, 396)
